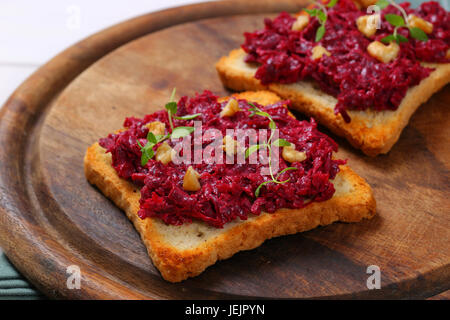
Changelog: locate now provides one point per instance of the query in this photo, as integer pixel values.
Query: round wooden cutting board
(51, 218)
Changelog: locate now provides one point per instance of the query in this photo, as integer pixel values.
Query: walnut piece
(318, 51)
(164, 153)
(190, 180)
(230, 108)
(156, 127)
(417, 22)
(230, 146)
(367, 25)
(301, 22)
(383, 53)
(291, 155)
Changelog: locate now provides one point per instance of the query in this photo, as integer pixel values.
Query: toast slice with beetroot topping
(182, 250)
(343, 85)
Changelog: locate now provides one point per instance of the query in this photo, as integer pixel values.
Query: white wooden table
(32, 32)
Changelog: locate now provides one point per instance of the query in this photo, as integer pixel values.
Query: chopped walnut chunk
(301, 22)
(190, 180)
(383, 53)
(318, 51)
(156, 127)
(367, 25)
(230, 108)
(417, 22)
(164, 153)
(291, 155)
(230, 146)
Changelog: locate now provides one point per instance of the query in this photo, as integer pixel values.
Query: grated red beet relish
(350, 74)
(227, 190)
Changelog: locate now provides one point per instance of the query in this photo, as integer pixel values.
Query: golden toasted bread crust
(371, 131)
(364, 3)
(177, 264)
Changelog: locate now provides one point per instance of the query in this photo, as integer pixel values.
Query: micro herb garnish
(321, 14)
(398, 22)
(177, 132)
(171, 108)
(147, 150)
(277, 143)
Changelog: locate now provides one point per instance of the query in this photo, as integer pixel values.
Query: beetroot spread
(355, 78)
(227, 190)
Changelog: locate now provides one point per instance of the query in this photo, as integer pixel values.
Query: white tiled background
(32, 32)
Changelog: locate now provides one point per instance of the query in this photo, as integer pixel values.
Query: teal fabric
(13, 285)
(444, 3)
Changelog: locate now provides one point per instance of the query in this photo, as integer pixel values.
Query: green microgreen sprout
(147, 150)
(277, 143)
(172, 107)
(176, 132)
(399, 21)
(321, 15)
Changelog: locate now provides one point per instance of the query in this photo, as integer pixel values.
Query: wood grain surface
(52, 218)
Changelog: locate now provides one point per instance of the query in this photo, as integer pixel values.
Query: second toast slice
(374, 132)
